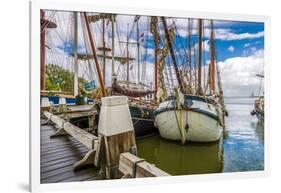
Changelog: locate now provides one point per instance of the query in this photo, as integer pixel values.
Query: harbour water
(241, 149)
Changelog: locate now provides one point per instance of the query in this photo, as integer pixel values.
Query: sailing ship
(190, 114)
(140, 95)
(259, 104)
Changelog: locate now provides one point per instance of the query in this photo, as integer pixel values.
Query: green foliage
(60, 79)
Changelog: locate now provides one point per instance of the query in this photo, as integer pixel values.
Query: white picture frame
(35, 7)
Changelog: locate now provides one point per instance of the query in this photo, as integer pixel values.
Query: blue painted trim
(188, 100)
(55, 99)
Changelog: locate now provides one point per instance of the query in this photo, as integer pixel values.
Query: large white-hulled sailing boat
(193, 117)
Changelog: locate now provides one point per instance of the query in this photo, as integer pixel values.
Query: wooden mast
(75, 47)
(155, 70)
(155, 62)
(103, 47)
(212, 63)
(94, 54)
(42, 55)
(138, 46)
(127, 46)
(112, 49)
(199, 88)
(189, 49)
(171, 49)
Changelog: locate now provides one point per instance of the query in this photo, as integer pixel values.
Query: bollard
(62, 105)
(116, 133)
(45, 104)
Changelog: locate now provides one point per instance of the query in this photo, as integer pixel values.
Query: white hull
(190, 125)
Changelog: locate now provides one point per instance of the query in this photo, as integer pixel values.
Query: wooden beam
(131, 165)
(82, 136)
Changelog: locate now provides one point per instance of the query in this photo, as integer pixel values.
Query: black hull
(143, 120)
(144, 127)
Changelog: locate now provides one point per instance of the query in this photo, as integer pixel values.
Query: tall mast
(156, 39)
(195, 68)
(189, 49)
(42, 50)
(103, 46)
(127, 45)
(138, 45)
(168, 38)
(94, 54)
(75, 46)
(199, 88)
(155, 69)
(212, 63)
(112, 49)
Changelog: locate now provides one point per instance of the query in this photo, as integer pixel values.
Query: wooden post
(116, 134)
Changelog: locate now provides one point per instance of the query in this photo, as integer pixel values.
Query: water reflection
(242, 147)
(177, 159)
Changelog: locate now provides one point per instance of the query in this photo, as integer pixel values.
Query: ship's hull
(200, 122)
(143, 120)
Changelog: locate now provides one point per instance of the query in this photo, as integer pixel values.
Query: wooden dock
(58, 155)
(72, 154)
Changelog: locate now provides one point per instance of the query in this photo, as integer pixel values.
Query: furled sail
(127, 91)
(162, 93)
(95, 18)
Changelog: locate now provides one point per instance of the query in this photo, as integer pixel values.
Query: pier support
(116, 134)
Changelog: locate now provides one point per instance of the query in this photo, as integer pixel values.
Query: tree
(60, 79)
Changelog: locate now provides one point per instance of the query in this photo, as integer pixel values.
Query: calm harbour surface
(241, 149)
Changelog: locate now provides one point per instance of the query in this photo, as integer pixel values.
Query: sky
(239, 48)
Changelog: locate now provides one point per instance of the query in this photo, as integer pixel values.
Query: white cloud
(231, 48)
(227, 34)
(239, 74)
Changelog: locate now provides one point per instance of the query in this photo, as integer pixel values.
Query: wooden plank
(65, 175)
(58, 155)
(100, 152)
(62, 156)
(80, 114)
(127, 162)
(117, 144)
(145, 169)
(137, 167)
(79, 134)
(82, 136)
